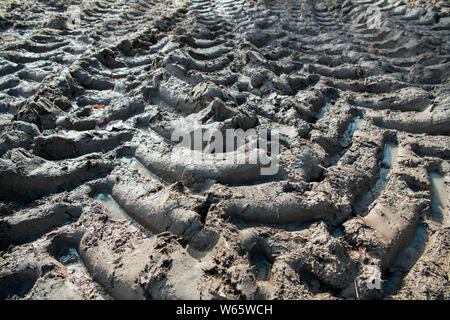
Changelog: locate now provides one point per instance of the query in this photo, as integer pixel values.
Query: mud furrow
(93, 175)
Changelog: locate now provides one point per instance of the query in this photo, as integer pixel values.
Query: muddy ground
(93, 206)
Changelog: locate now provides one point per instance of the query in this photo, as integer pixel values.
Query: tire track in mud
(63, 35)
(342, 94)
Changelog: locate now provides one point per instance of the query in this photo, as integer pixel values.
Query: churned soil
(97, 201)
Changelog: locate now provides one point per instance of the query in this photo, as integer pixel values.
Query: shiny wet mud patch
(137, 165)
(78, 276)
(439, 197)
(389, 159)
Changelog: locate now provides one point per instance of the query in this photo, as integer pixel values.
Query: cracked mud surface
(93, 206)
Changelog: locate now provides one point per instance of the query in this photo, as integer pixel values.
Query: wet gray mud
(96, 202)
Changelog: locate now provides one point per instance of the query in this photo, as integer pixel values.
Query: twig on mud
(226, 243)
